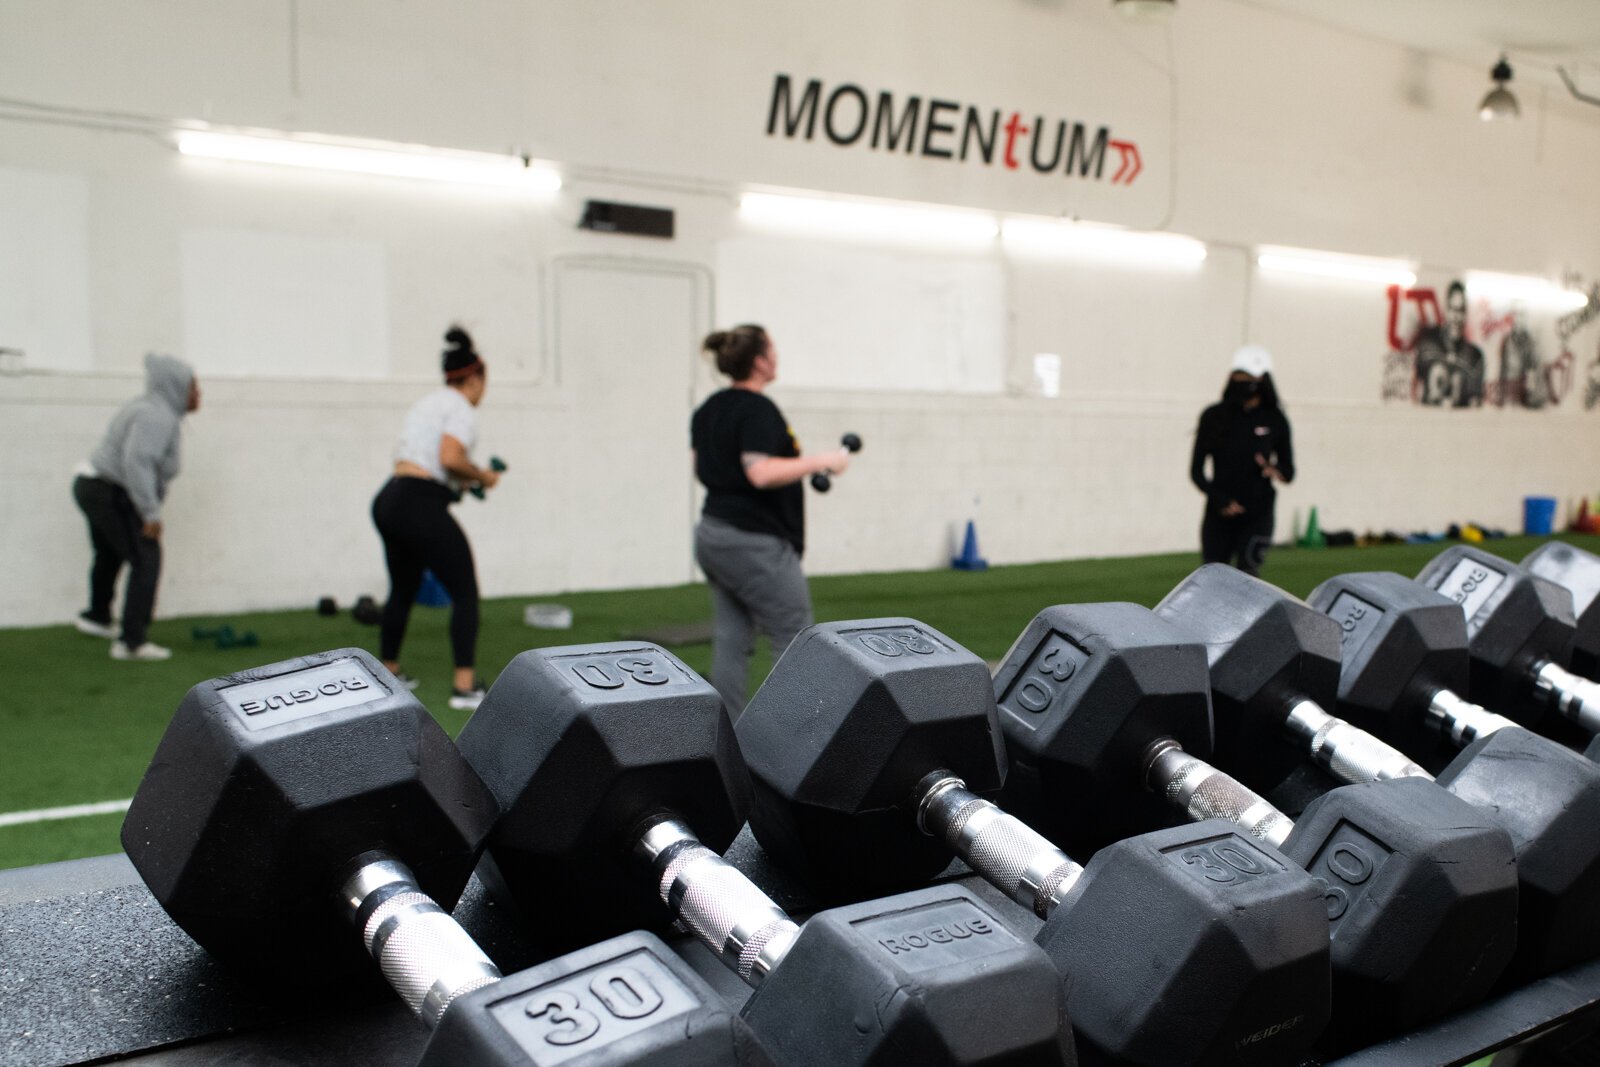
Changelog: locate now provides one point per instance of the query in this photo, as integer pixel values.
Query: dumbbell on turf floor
(1193, 945)
(287, 802)
(604, 756)
(822, 481)
(1520, 630)
(1276, 667)
(1103, 704)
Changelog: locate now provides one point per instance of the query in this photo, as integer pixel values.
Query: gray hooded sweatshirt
(140, 449)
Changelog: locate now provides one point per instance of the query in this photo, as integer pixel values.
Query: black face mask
(1240, 393)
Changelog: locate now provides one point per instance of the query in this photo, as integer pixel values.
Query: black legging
(117, 533)
(413, 518)
(1241, 540)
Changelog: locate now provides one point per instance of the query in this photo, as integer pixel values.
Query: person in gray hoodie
(120, 491)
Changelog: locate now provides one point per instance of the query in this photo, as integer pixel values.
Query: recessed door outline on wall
(626, 336)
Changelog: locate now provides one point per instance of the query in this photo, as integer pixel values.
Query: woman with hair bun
(432, 464)
(751, 533)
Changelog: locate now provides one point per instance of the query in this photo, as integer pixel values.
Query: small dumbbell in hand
(822, 481)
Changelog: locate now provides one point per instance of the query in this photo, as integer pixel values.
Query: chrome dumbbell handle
(1014, 858)
(1202, 792)
(1347, 752)
(424, 953)
(716, 902)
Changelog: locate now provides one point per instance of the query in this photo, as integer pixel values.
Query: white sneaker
(86, 625)
(468, 699)
(147, 651)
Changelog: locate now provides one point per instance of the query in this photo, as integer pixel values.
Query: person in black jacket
(1246, 438)
(752, 530)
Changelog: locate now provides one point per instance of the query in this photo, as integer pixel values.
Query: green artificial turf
(80, 727)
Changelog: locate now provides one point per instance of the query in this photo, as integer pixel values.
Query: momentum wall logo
(945, 129)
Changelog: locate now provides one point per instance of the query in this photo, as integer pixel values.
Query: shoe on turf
(149, 651)
(94, 627)
(468, 699)
(406, 680)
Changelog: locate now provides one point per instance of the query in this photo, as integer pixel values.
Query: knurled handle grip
(717, 903)
(1348, 752)
(423, 953)
(1202, 792)
(1012, 856)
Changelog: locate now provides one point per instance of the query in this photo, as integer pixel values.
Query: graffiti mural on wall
(1454, 353)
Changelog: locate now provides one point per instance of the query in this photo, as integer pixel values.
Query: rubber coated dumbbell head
(1401, 643)
(1421, 890)
(1265, 649)
(1193, 945)
(1548, 798)
(1083, 693)
(268, 785)
(623, 1001)
(1578, 572)
(887, 701)
(930, 976)
(582, 745)
(1514, 620)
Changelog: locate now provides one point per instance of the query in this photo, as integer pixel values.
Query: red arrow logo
(1129, 165)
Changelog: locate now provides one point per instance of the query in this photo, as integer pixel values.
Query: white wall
(1252, 128)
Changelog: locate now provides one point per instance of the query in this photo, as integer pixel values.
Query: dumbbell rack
(92, 969)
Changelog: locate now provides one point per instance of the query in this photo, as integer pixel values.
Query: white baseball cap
(1253, 360)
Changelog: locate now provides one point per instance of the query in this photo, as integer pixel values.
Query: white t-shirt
(443, 411)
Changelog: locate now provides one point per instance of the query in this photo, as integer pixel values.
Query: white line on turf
(72, 811)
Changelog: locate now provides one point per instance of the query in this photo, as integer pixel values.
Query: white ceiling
(1537, 35)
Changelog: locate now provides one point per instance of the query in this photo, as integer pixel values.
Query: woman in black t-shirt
(1246, 437)
(751, 532)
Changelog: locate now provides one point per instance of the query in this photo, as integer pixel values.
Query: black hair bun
(461, 359)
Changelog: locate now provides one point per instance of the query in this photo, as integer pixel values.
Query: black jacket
(1239, 442)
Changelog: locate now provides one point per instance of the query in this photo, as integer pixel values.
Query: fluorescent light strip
(1102, 242)
(1335, 265)
(901, 221)
(387, 160)
(1524, 289)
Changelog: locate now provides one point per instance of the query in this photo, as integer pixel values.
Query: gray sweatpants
(756, 584)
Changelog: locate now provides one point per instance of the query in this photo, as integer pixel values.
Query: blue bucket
(431, 594)
(1538, 514)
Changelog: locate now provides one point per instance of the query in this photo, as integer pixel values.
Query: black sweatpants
(116, 532)
(1241, 540)
(413, 518)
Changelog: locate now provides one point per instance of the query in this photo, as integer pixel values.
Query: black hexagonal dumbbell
(1520, 630)
(604, 757)
(1193, 945)
(288, 802)
(1279, 701)
(1578, 572)
(1103, 705)
(1404, 664)
(278, 793)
